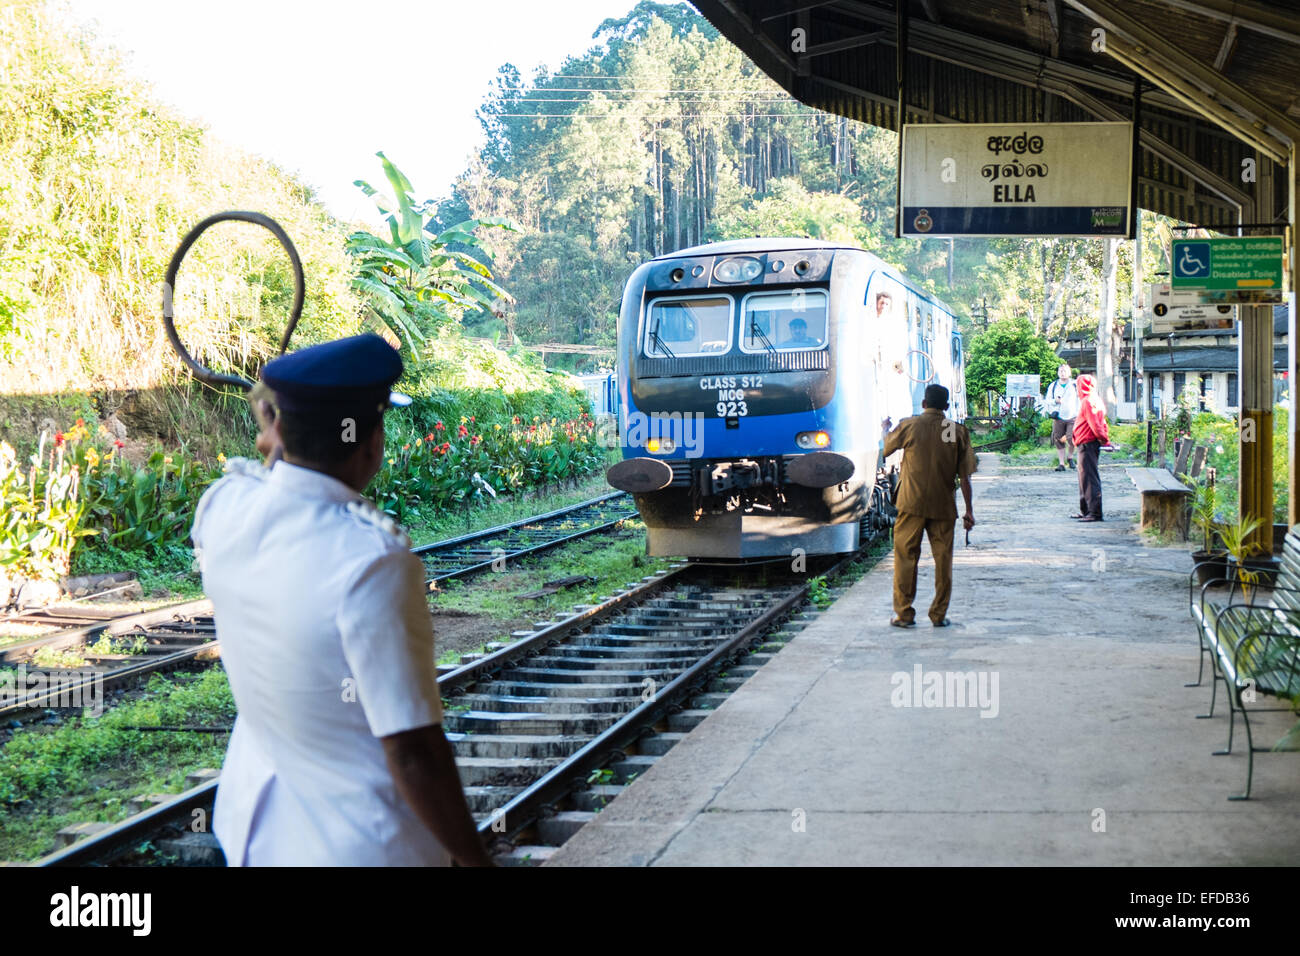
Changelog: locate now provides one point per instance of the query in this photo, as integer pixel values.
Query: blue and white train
(753, 379)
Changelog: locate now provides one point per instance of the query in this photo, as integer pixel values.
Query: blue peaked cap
(353, 374)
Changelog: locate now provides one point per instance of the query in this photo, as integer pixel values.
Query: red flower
(446, 447)
(58, 439)
(461, 431)
(476, 439)
(406, 448)
(438, 426)
(515, 420)
(119, 444)
(471, 418)
(81, 423)
(429, 437)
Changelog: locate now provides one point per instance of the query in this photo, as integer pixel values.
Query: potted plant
(1211, 563)
(1243, 553)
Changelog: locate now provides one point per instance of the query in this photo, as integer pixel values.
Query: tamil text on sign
(1221, 271)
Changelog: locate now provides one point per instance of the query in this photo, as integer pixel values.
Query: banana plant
(413, 281)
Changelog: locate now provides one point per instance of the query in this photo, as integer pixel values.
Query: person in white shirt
(1062, 406)
(337, 757)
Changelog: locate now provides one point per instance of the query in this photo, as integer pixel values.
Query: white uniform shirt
(1064, 398)
(328, 642)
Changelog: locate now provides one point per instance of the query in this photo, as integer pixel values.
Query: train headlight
(660, 446)
(737, 270)
(813, 439)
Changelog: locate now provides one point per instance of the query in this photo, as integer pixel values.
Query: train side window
(688, 326)
(783, 321)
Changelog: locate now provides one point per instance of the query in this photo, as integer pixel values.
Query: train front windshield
(786, 321)
(685, 327)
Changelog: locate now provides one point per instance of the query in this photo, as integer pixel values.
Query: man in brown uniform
(937, 453)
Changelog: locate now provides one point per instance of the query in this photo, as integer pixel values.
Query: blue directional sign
(1192, 260)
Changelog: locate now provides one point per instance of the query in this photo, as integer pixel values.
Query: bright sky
(319, 87)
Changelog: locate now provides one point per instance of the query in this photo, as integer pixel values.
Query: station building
(1205, 359)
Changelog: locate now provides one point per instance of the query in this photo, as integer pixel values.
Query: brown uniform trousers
(936, 452)
(908, 529)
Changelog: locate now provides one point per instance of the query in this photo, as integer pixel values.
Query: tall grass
(98, 182)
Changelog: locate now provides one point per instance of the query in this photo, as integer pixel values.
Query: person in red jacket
(1090, 433)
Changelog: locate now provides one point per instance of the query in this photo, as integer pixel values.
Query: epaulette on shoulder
(365, 511)
(249, 467)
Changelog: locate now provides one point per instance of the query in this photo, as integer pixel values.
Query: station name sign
(1027, 179)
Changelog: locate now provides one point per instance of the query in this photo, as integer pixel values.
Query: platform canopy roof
(1220, 78)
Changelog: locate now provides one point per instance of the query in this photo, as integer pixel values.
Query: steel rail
(102, 847)
(524, 525)
(523, 808)
(525, 647)
(102, 679)
(57, 640)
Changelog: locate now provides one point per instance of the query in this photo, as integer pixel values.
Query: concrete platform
(1090, 753)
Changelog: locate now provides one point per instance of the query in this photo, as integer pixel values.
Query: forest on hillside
(664, 135)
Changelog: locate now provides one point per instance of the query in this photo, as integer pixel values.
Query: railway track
(139, 643)
(105, 653)
(549, 728)
(481, 550)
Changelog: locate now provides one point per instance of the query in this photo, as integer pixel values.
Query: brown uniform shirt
(937, 452)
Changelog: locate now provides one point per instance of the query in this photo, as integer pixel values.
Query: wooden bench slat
(1156, 481)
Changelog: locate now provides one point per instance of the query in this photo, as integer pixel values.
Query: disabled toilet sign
(1244, 270)
(1193, 261)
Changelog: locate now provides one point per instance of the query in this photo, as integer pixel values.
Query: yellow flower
(497, 427)
(92, 458)
(167, 459)
(390, 461)
(221, 458)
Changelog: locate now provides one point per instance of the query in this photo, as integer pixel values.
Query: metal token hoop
(929, 362)
(201, 372)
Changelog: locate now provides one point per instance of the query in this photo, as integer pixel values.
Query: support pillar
(1255, 365)
(1292, 352)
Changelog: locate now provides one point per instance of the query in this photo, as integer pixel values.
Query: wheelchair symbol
(1190, 266)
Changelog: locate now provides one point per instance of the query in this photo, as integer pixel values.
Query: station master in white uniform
(337, 756)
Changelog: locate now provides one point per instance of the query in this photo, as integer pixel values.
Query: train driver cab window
(694, 326)
(783, 321)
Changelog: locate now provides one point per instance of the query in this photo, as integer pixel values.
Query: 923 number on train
(731, 393)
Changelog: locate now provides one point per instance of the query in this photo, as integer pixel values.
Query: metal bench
(1253, 641)
(1164, 499)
